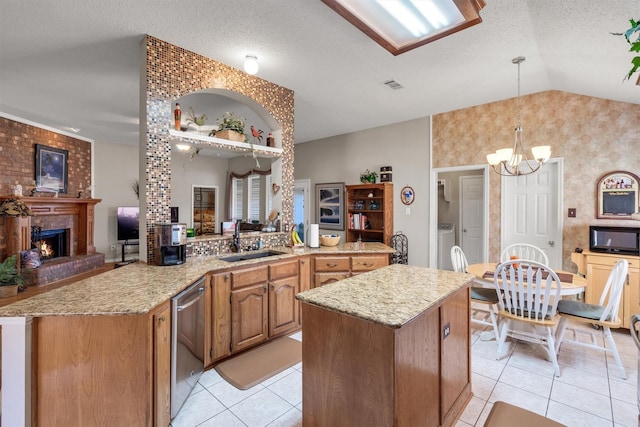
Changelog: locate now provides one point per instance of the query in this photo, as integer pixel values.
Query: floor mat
(254, 366)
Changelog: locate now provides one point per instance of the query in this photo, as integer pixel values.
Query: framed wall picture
(330, 205)
(52, 173)
(617, 195)
(407, 195)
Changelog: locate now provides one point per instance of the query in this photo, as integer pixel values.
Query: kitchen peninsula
(389, 347)
(97, 351)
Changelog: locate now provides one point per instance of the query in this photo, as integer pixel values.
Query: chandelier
(515, 161)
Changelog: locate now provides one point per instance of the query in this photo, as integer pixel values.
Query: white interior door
(472, 217)
(531, 211)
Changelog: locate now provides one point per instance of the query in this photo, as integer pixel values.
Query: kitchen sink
(249, 255)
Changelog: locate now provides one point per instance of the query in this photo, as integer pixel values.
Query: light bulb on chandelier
(515, 161)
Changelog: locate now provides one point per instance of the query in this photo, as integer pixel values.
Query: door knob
(464, 230)
(551, 243)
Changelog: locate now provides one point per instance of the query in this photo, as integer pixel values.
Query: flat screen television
(128, 225)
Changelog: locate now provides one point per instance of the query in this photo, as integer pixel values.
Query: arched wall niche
(171, 72)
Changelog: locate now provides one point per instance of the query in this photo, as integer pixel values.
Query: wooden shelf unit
(358, 203)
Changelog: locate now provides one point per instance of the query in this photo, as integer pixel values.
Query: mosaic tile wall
(594, 136)
(17, 154)
(173, 72)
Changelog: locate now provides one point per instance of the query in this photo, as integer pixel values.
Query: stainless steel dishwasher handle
(193, 301)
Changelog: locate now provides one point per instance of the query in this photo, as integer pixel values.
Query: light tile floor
(589, 392)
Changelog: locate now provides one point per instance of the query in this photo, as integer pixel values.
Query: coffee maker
(171, 244)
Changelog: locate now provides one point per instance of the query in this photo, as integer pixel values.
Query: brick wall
(17, 157)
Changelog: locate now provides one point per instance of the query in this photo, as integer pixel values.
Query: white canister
(314, 236)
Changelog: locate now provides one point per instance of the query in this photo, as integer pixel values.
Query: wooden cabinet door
(220, 315)
(304, 281)
(597, 275)
(249, 307)
(332, 263)
(162, 365)
(283, 306)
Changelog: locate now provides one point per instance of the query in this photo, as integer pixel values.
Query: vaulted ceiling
(72, 63)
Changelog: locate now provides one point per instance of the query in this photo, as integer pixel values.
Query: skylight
(402, 25)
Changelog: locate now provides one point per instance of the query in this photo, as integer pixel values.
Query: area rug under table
(254, 366)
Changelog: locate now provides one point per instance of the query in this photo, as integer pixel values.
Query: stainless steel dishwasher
(187, 342)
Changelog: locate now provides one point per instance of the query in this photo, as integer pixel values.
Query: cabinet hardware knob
(161, 318)
(367, 264)
(273, 286)
(226, 277)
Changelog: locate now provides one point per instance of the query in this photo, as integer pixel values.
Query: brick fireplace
(67, 224)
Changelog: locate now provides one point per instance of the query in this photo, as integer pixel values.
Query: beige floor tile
(585, 380)
(224, 419)
(582, 399)
(473, 410)
(289, 387)
(527, 380)
(198, 408)
(482, 386)
(572, 417)
(292, 418)
(517, 396)
(625, 414)
(261, 408)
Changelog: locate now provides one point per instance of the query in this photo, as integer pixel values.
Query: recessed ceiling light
(402, 25)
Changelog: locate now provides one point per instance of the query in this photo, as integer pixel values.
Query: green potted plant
(635, 46)
(230, 127)
(368, 177)
(11, 280)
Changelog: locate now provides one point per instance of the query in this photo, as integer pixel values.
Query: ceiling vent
(393, 84)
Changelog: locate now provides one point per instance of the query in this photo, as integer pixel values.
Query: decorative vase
(8, 291)
(177, 116)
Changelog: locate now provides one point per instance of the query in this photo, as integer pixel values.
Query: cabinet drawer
(249, 276)
(332, 263)
(610, 260)
(368, 263)
(320, 279)
(283, 269)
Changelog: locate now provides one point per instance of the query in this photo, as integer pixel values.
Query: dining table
(570, 284)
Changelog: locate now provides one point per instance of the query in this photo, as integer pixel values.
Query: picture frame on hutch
(617, 194)
(330, 205)
(52, 173)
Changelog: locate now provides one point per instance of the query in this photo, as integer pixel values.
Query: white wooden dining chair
(524, 251)
(604, 315)
(528, 294)
(483, 300)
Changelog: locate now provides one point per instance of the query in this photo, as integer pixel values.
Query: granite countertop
(391, 295)
(138, 288)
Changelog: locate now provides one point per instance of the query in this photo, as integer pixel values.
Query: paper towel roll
(314, 236)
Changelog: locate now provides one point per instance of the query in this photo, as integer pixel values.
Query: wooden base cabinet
(102, 370)
(331, 268)
(599, 267)
(360, 373)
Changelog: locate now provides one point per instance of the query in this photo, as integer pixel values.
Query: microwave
(615, 240)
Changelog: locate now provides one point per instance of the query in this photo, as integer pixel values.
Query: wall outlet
(446, 330)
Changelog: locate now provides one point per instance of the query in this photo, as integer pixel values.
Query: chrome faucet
(235, 243)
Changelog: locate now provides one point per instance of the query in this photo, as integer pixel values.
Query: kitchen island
(96, 351)
(390, 347)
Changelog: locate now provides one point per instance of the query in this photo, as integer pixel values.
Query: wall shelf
(229, 148)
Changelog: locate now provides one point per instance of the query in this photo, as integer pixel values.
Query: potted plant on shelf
(368, 177)
(230, 127)
(11, 279)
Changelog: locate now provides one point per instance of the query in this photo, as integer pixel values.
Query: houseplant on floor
(11, 280)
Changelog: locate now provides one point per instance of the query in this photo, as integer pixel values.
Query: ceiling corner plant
(635, 45)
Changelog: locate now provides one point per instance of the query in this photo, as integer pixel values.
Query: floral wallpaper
(594, 136)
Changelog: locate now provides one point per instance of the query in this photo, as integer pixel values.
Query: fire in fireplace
(50, 243)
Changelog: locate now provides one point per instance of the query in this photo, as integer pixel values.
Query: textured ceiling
(72, 63)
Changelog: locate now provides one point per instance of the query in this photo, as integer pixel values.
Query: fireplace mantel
(19, 228)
